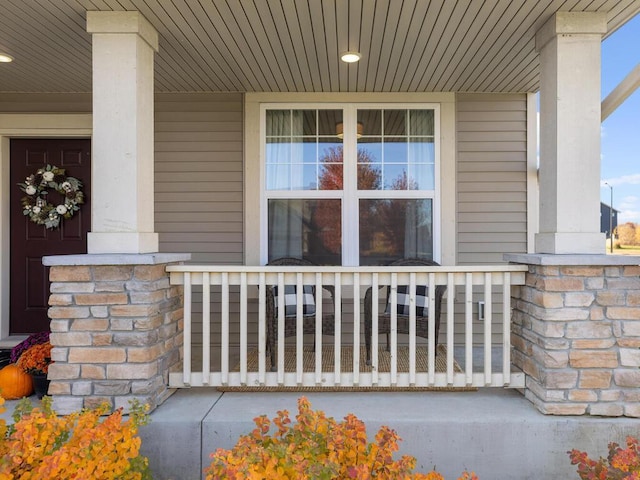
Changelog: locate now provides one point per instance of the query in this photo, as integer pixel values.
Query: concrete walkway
(497, 433)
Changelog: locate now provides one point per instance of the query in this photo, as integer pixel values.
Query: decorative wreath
(35, 204)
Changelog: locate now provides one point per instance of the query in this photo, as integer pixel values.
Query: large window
(352, 185)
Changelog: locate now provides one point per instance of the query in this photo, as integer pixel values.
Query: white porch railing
(247, 285)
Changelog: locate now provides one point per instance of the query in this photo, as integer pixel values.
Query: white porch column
(569, 46)
(122, 208)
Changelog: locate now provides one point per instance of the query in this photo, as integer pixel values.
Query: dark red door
(29, 294)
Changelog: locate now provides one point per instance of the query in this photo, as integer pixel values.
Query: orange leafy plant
(620, 464)
(36, 359)
(315, 447)
(41, 445)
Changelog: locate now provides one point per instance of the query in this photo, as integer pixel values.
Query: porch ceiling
(290, 45)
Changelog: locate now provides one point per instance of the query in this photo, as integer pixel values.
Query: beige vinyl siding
(491, 134)
(199, 175)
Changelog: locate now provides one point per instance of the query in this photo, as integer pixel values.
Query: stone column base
(116, 329)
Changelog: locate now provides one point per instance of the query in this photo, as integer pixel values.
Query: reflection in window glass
(306, 228)
(297, 137)
(404, 155)
(392, 229)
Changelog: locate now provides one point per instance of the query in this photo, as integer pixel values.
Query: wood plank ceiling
(294, 45)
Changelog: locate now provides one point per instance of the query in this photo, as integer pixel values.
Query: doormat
(346, 364)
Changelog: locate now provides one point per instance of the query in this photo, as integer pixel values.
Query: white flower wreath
(35, 204)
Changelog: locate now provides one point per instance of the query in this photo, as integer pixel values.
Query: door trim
(17, 125)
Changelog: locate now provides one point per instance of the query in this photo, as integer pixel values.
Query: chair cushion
(422, 301)
(290, 292)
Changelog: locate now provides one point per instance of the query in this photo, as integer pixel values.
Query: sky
(620, 166)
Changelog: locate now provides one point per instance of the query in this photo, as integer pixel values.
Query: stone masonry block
(136, 339)
(629, 342)
(563, 408)
(109, 287)
(138, 371)
(66, 405)
(111, 387)
(60, 299)
(596, 313)
(70, 274)
(631, 328)
(102, 339)
(633, 299)
(148, 297)
(110, 273)
(579, 299)
(150, 272)
(595, 379)
(75, 287)
(582, 271)
(68, 312)
(96, 402)
(82, 388)
(147, 323)
(551, 358)
(134, 310)
(630, 357)
(623, 313)
(71, 339)
(559, 378)
(627, 378)
(97, 355)
(59, 388)
(609, 298)
(632, 410)
(143, 387)
(624, 283)
(59, 325)
(593, 359)
(124, 324)
(565, 314)
(594, 283)
(561, 284)
(101, 299)
(135, 286)
(606, 409)
(589, 330)
(61, 371)
(610, 395)
(93, 372)
(603, 343)
(548, 299)
(90, 325)
(99, 311)
(59, 354)
(631, 271)
(144, 354)
(582, 396)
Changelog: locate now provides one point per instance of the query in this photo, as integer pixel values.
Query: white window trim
(444, 211)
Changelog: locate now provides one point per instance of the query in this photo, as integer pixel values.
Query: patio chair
(422, 317)
(290, 321)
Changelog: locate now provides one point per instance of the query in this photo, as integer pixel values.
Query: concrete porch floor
(496, 433)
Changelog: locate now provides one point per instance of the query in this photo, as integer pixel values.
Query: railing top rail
(201, 268)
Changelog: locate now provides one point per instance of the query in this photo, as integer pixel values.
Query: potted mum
(35, 361)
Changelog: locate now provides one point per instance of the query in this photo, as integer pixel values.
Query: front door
(29, 283)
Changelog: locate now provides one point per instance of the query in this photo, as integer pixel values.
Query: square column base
(570, 243)
(120, 242)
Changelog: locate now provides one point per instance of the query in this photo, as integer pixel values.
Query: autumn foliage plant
(44, 446)
(36, 359)
(315, 447)
(620, 464)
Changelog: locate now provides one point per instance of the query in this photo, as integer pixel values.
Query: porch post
(122, 209)
(569, 47)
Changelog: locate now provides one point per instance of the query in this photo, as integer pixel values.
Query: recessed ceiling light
(4, 58)
(350, 57)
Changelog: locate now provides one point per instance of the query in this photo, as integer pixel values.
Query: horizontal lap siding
(199, 176)
(491, 134)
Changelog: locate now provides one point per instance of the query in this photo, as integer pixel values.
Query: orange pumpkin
(15, 383)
